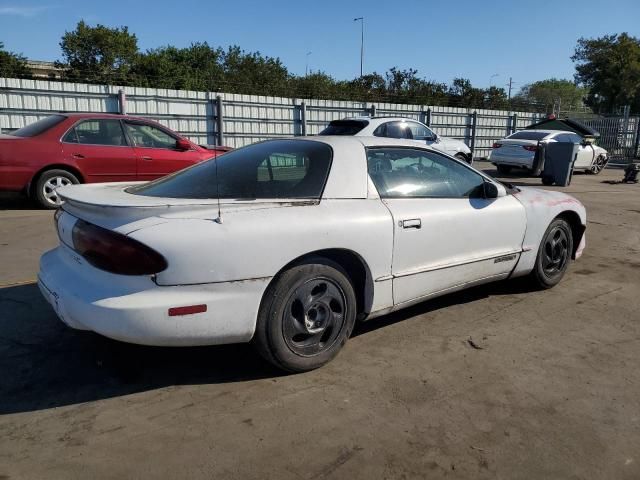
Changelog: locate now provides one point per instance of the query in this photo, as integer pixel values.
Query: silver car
(519, 150)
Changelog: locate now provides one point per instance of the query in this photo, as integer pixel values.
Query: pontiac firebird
(287, 243)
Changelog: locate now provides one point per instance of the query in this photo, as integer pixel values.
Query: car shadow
(14, 201)
(45, 364)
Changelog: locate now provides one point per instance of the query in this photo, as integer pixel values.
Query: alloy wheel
(50, 187)
(555, 254)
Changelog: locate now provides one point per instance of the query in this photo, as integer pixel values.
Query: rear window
(344, 127)
(525, 135)
(271, 169)
(39, 127)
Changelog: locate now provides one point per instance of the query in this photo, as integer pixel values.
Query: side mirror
(183, 145)
(490, 190)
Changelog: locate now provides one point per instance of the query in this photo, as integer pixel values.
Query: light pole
(306, 67)
(491, 79)
(361, 20)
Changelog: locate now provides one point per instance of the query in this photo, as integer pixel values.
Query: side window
(398, 130)
(407, 172)
(283, 167)
(420, 132)
(575, 138)
(148, 136)
(97, 132)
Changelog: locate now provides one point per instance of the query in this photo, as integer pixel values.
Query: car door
(585, 152)
(156, 150)
(101, 150)
(446, 233)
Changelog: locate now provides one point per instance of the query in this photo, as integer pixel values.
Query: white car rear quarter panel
(258, 243)
(542, 206)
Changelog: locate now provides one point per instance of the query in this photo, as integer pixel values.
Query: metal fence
(235, 120)
(619, 135)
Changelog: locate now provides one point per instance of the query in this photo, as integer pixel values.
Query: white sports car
(286, 243)
(398, 127)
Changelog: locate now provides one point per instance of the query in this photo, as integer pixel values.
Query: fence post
(372, 109)
(514, 123)
(220, 120)
(636, 146)
(428, 119)
(303, 118)
(122, 102)
(474, 124)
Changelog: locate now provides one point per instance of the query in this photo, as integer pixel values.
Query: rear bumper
(136, 310)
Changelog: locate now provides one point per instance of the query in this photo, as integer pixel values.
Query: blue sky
(465, 38)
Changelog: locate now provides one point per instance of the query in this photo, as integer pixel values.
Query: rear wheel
(45, 189)
(554, 254)
(599, 164)
(504, 169)
(306, 316)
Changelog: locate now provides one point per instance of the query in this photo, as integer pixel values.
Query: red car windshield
(39, 127)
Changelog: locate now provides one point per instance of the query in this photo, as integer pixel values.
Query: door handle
(147, 159)
(412, 223)
(77, 155)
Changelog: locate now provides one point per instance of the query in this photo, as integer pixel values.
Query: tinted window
(272, 169)
(97, 132)
(39, 127)
(393, 130)
(344, 127)
(148, 136)
(528, 135)
(404, 172)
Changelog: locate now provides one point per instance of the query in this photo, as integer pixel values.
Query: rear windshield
(271, 169)
(39, 127)
(344, 127)
(525, 135)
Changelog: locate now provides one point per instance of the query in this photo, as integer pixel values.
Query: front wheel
(599, 164)
(464, 158)
(45, 190)
(306, 316)
(554, 254)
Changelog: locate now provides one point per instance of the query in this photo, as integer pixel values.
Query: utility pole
(361, 20)
(510, 86)
(306, 66)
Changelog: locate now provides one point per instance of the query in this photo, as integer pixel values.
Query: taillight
(531, 148)
(113, 252)
(497, 145)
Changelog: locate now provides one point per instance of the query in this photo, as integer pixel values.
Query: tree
(99, 54)
(197, 67)
(609, 67)
(253, 73)
(12, 64)
(553, 93)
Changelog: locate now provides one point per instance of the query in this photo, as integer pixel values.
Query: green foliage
(12, 64)
(552, 93)
(99, 54)
(609, 66)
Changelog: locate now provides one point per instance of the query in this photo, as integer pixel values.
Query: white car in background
(519, 149)
(286, 243)
(397, 127)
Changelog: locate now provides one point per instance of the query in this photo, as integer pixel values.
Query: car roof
(378, 120)
(346, 140)
(100, 115)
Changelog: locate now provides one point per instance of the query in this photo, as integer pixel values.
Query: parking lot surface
(495, 382)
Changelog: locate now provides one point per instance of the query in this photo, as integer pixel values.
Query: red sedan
(89, 148)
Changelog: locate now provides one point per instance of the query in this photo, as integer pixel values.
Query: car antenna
(219, 219)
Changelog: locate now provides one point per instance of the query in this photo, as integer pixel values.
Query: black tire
(598, 165)
(554, 255)
(504, 169)
(464, 158)
(546, 180)
(306, 316)
(47, 183)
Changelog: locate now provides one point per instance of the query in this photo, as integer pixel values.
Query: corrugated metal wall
(247, 118)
